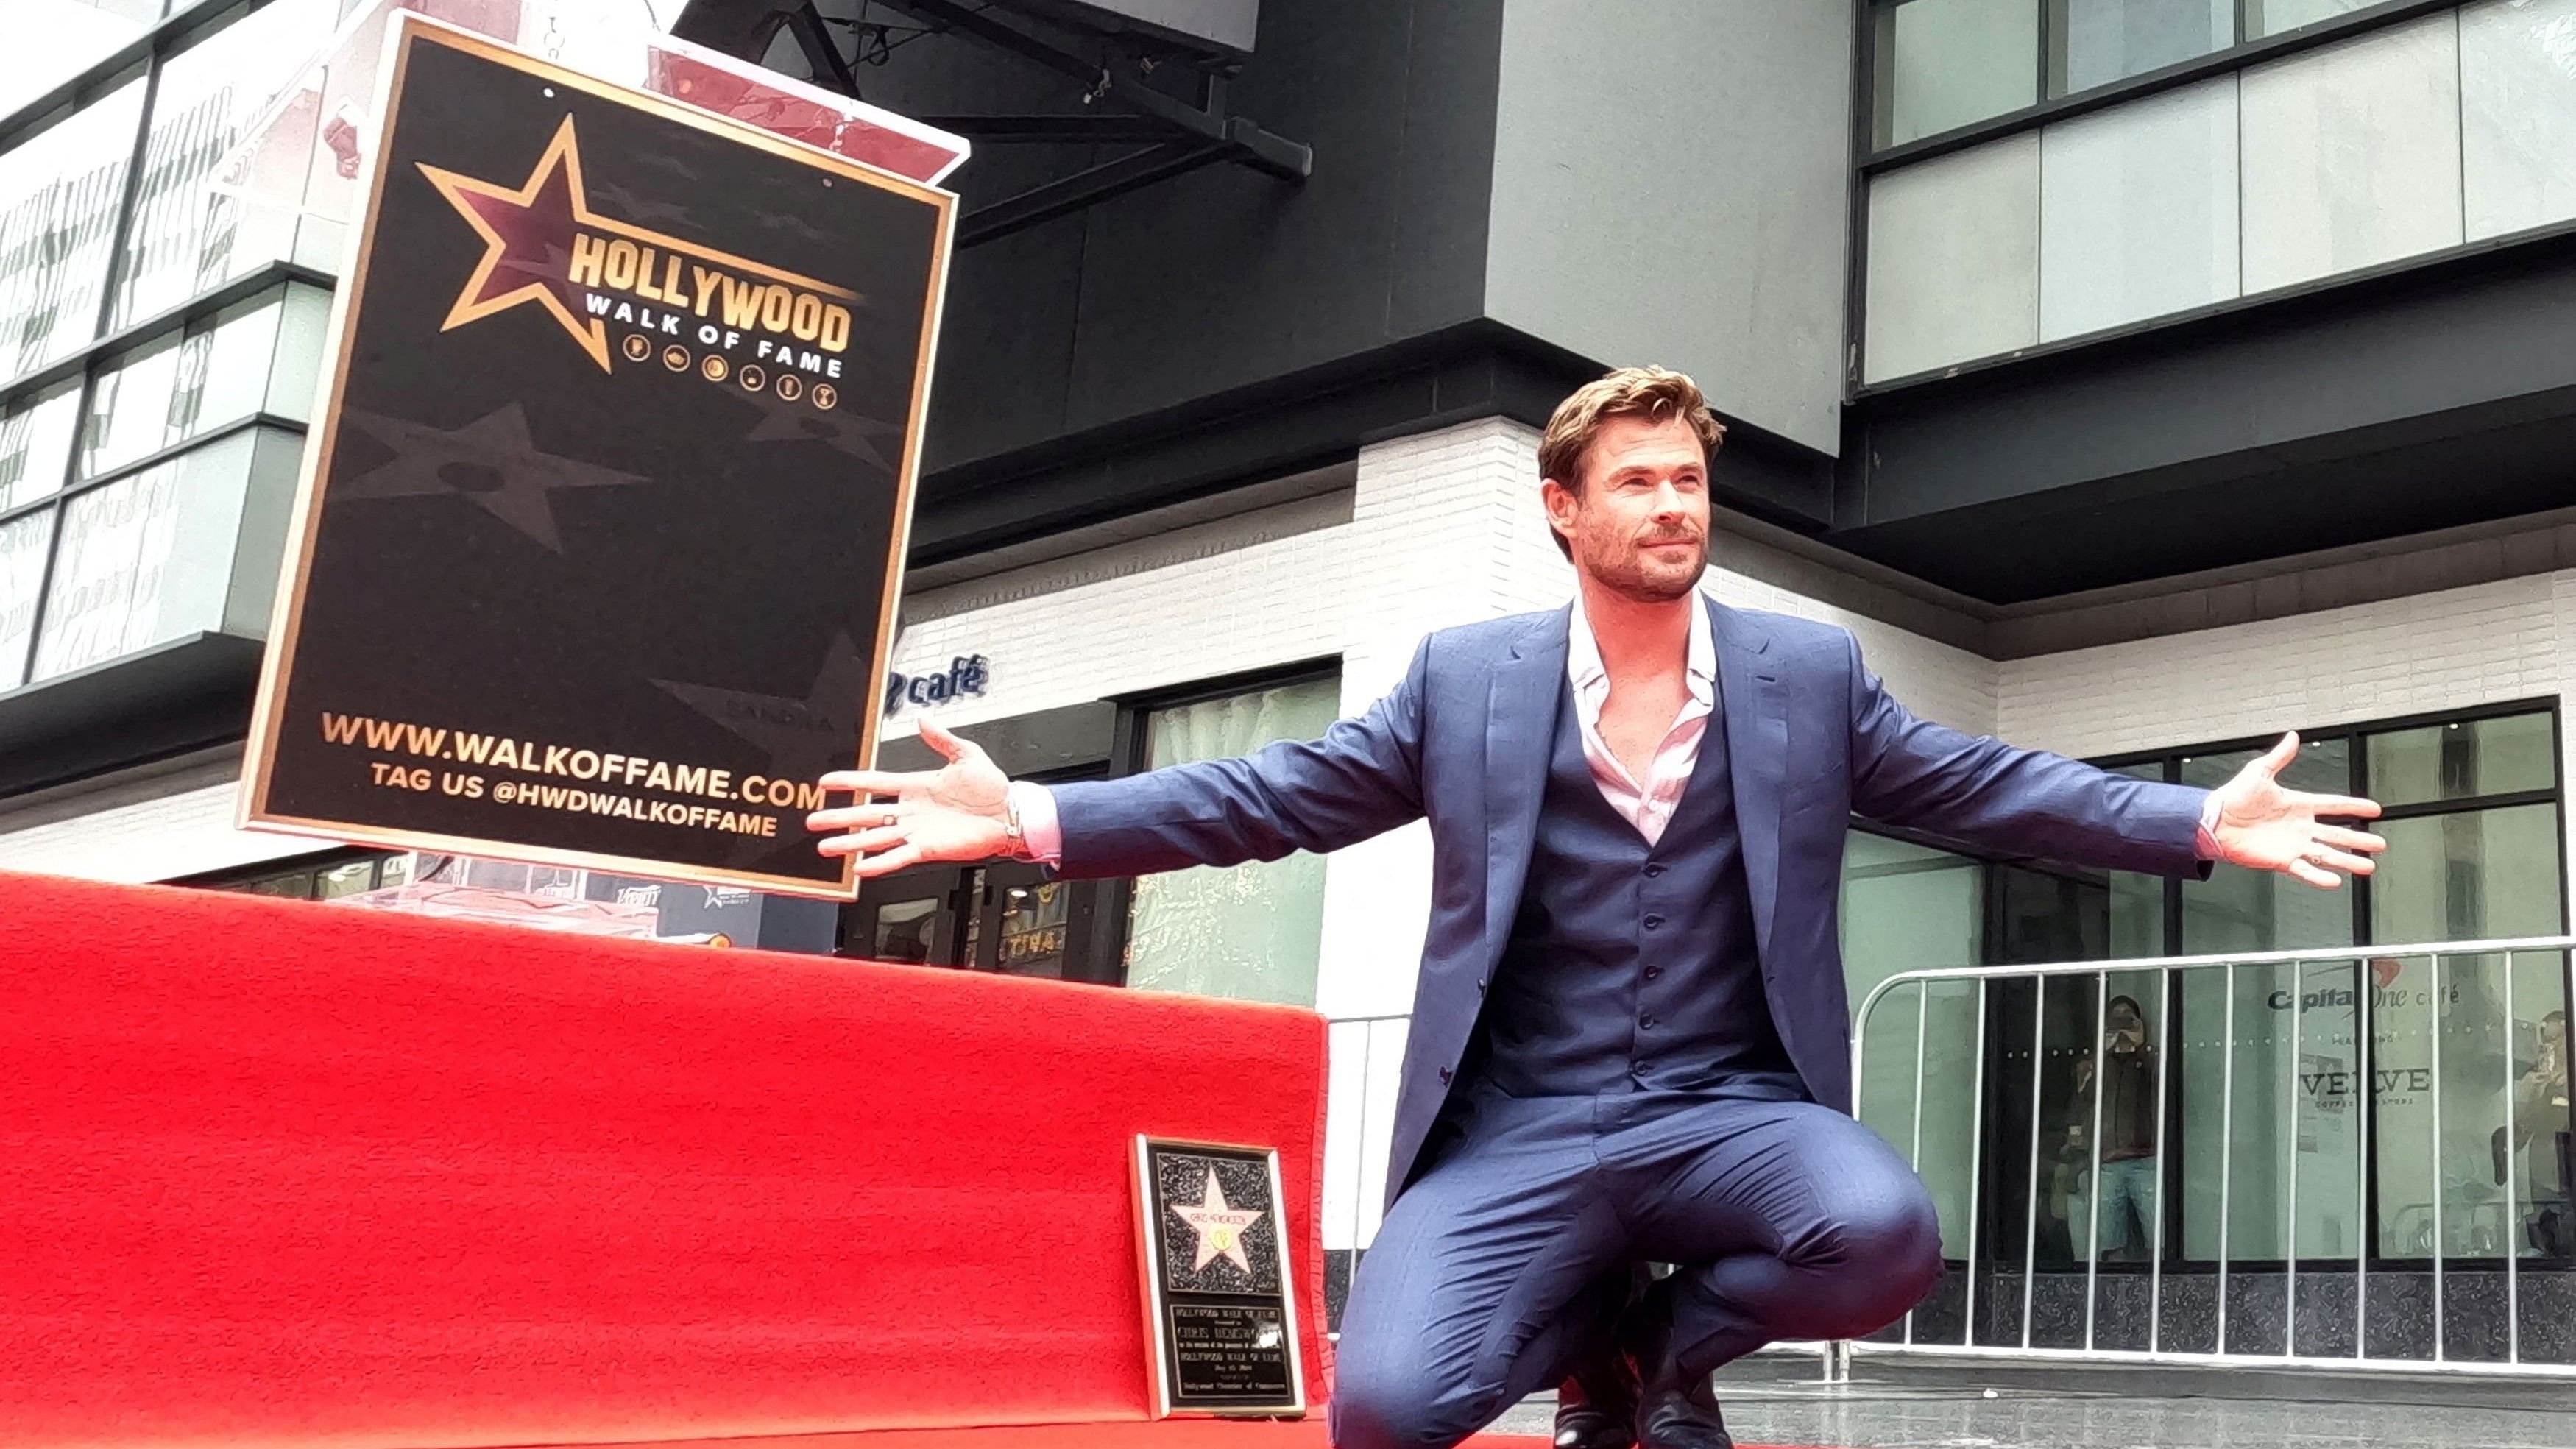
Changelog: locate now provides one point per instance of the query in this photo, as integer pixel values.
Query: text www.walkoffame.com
(607, 767)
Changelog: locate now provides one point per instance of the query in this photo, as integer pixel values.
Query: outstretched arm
(1909, 771)
(1361, 779)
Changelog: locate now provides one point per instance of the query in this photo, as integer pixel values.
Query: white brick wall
(2413, 655)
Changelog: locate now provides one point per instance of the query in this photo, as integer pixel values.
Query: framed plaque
(596, 550)
(1220, 1297)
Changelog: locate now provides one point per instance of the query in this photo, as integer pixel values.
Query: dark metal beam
(1085, 188)
(821, 54)
(1277, 155)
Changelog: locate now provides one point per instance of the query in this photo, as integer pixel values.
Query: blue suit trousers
(1491, 1273)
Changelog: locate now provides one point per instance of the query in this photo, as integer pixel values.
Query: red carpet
(1168, 1434)
(294, 1174)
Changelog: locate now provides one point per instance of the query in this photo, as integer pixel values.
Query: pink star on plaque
(1219, 1225)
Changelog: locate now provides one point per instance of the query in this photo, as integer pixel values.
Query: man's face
(2124, 1021)
(1639, 523)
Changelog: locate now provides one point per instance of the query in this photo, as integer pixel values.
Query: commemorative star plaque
(1220, 1299)
(603, 516)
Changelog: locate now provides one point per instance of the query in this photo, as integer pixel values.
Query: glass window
(1035, 918)
(2323, 765)
(1954, 259)
(105, 595)
(23, 543)
(1250, 932)
(2352, 154)
(1943, 64)
(130, 406)
(2095, 42)
(2470, 875)
(176, 387)
(905, 930)
(186, 238)
(1907, 907)
(35, 444)
(2464, 759)
(2276, 17)
(2137, 210)
(59, 195)
(2518, 116)
(345, 880)
(50, 41)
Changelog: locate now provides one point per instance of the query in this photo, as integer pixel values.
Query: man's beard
(1627, 574)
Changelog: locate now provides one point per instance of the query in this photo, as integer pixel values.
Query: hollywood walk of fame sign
(1220, 1299)
(595, 557)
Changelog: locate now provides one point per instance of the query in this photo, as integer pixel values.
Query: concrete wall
(1670, 181)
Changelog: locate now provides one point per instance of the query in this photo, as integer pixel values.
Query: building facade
(2135, 378)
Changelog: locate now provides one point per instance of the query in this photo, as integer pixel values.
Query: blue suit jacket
(1464, 741)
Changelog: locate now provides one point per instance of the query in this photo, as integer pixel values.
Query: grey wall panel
(1711, 240)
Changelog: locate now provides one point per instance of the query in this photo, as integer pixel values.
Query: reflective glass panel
(2352, 154)
(2465, 759)
(1954, 258)
(185, 238)
(35, 444)
(177, 387)
(2275, 17)
(105, 595)
(2137, 210)
(2094, 42)
(1905, 907)
(1250, 932)
(345, 880)
(1943, 64)
(2518, 114)
(59, 195)
(50, 41)
(2457, 1038)
(22, 573)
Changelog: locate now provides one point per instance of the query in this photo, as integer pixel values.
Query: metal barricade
(2380, 1335)
(1366, 1050)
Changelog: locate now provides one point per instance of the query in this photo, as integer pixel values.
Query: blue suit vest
(1633, 967)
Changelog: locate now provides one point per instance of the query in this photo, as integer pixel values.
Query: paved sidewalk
(1982, 1406)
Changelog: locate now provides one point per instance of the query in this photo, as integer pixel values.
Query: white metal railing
(2369, 1150)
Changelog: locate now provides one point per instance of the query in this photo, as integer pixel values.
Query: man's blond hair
(1656, 394)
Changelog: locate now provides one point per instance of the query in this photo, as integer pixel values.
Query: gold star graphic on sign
(1220, 1226)
(527, 241)
(528, 233)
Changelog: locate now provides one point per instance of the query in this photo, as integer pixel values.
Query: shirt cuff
(2208, 838)
(1039, 828)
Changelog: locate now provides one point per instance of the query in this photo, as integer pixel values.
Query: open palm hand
(957, 812)
(2264, 825)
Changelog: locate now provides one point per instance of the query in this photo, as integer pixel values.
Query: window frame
(1870, 160)
(2246, 52)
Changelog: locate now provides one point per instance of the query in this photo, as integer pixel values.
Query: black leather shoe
(1596, 1408)
(1681, 1416)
